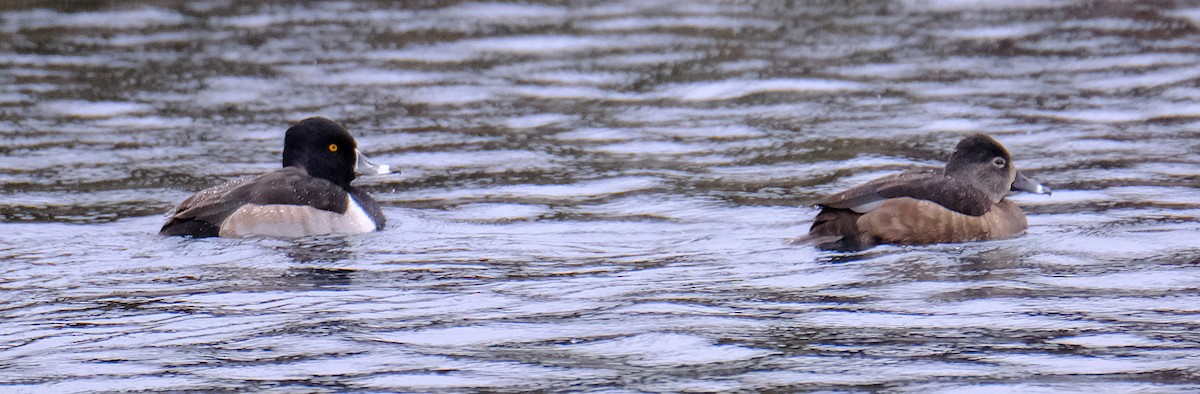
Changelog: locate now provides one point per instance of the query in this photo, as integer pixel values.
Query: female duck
(962, 202)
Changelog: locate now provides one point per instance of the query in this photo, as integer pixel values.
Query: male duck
(310, 195)
(962, 202)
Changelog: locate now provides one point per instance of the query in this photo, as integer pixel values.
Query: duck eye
(999, 162)
(333, 147)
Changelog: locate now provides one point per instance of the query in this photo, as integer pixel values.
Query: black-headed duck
(310, 195)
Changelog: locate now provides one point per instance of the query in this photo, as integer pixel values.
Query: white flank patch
(294, 221)
(357, 218)
(868, 207)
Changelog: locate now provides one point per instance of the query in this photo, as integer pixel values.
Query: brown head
(984, 164)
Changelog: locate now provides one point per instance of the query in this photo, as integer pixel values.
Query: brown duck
(959, 203)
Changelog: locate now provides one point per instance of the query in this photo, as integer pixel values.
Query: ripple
(504, 14)
(94, 109)
(115, 19)
(665, 349)
(581, 189)
(450, 95)
(1083, 365)
(1144, 80)
(494, 212)
(490, 161)
(694, 22)
(974, 5)
(1110, 340)
(543, 45)
(725, 90)
(1190, 14)
(373, 77)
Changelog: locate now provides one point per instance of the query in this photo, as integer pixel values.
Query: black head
(323, 148)
(984, 163)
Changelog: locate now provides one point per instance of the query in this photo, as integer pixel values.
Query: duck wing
(287, 186)
(928, 184)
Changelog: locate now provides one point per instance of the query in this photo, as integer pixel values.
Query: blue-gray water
(598, 196)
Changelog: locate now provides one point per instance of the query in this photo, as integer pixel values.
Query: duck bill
(1027, 184)
(366, 167)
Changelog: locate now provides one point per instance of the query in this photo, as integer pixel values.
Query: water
(598, 196)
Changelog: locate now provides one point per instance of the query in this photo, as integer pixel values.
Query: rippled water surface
(598, 196)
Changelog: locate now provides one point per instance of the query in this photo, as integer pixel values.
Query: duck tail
(815, 239)
(835, 229)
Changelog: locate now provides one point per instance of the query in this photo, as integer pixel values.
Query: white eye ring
(999, 162)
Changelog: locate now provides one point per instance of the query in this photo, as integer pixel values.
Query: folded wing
(922, 184)
(202, 213)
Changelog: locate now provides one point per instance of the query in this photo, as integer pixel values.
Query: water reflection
(318, 249)
(321, 277)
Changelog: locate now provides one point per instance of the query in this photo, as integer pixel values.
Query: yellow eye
(333, 147)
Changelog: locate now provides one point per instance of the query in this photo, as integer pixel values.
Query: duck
(962, 202)
(311, 195)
